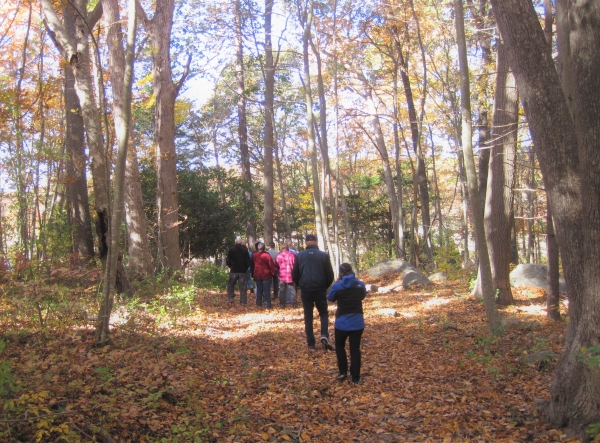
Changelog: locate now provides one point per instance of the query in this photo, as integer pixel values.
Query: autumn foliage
(186, 366)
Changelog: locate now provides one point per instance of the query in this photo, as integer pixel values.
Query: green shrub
(210, 276)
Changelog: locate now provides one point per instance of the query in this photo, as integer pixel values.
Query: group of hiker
(309, 272)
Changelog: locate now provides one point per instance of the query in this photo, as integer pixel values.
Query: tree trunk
(437, 200)
(494, 324)
(307, 18)
(122, 117)
(379, 143)
(529, 258)
(421, 173)
(400, 252)
(325, 158)
(76, 182)
(568, 153)
(140, 261)
(269, 121)
(165, 93)
(77, 52)
(483, 161)
(501, 180)
(464, 221)
(553, 289)
(243, 127)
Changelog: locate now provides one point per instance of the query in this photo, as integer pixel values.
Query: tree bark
(76, 182)
(464, 221)
(421, 173)
(381, 147)
(553, 289)
(77, 52)
(165, 93)
(269, 121)
(501, 179)
(568, 152)
(307, 18)
(494, 324)
(140, 261)
(243, 127)
(122, 118)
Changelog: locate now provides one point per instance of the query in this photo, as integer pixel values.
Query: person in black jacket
(238, 261)
(313, 274)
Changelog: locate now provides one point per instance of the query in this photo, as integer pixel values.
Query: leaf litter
(231, 373)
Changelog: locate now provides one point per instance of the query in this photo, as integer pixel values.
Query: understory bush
(210, 276)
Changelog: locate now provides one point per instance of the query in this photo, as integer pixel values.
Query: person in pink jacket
(263, 269)
(287, 289)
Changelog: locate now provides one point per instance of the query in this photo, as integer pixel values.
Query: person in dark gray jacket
(313, 274)
(238, 261)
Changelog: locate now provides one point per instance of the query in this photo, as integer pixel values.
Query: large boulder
(534, 275)
(410, 275)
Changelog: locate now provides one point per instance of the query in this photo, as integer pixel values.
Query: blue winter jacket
(349, 292)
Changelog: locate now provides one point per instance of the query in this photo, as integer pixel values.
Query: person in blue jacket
(348, 292)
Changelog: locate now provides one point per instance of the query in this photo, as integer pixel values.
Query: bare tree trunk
(307, 18)
(165, 93)
(379, 143)
(76, 182)
(464, 221)
(483, 161)
(514, 247)
(243, 127)
(18, 158)
(140, 261)
(400, 252)
(269, 121)
(77, 52)
(494, 324)
(325, 157)
(530, 208)
(568, 154)
(286, 218)
(501, 180)
(122, 125)
(553, 289)
(421, 173)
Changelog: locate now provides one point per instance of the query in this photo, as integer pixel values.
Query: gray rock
(534, 275)
(410, 275)
(371, 288)
(438, 276)
(383, 290)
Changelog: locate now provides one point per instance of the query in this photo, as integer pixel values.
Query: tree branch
(57, 32)
(95, 15)
(186, 71)
(139, 10)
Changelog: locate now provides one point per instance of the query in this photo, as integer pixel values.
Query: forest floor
(215, 372)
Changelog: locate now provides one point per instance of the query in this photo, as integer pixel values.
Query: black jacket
(238, 259)
(312, 270)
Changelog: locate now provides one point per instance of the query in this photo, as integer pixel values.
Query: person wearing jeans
(263, 269)
(238, 261)
(348, 292)
(313, 274)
